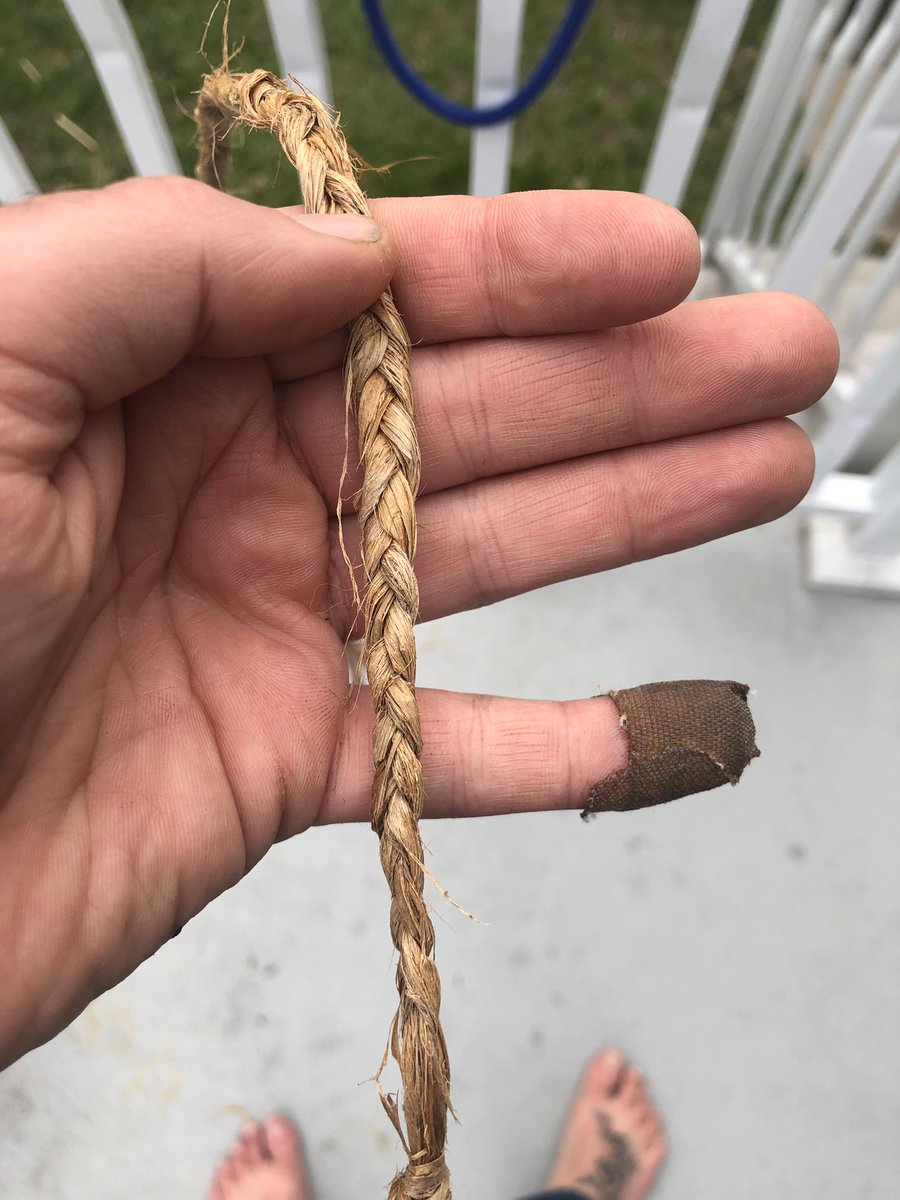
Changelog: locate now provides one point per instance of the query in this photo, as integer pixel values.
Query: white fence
(803, 202)
(808, 187)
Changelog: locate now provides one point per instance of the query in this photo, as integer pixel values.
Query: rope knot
(422, 1181)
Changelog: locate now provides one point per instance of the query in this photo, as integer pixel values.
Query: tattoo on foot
(613, 1168)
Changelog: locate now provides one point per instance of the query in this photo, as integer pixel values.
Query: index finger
(522, 264)
(536, 262)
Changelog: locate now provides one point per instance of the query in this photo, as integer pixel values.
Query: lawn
(592, 128)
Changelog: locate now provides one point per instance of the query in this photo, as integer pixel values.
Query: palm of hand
(203, 671)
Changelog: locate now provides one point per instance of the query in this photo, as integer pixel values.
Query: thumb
(104, 292)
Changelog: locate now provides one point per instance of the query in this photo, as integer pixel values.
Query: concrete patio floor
(743, 946)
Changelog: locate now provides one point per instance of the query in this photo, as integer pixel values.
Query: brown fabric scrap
(684, 737)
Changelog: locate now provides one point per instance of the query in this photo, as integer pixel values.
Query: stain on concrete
(157, 1080)
(16, 1106)
(329, 1043)
(638, 883)
(108, 1027)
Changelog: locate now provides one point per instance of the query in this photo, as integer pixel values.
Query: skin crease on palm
(173, 603)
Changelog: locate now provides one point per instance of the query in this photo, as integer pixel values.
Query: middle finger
(495, 406)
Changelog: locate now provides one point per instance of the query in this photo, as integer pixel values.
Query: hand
(173, 603)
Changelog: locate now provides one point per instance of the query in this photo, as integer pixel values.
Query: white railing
(809, 184)
(802, 203)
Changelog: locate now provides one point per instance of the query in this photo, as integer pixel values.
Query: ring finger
(483, 542)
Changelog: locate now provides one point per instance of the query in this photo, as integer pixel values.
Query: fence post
(499, 45)
(783, 44)
(708, 49)
(16, 180)
(296, 27)
(871, 144)
(113, 49)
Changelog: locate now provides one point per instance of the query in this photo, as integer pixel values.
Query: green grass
(592, 128)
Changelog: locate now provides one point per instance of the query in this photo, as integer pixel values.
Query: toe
(640, 1098)
(646, 1131)
(250, 1144)
(240, 1156)
(223, 1183)
(283, 1143)
(655, 1151)
(631, 1087)
(215, 1190)
(603, 1073)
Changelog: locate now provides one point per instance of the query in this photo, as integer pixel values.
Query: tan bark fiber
(378, 392)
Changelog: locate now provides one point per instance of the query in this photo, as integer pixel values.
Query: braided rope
(378, 390)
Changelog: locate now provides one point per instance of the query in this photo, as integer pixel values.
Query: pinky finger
(486, 755)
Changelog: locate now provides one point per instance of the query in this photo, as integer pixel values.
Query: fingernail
(350, 226)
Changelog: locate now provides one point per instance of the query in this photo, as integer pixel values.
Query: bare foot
(264, 1164)
(612, 1145)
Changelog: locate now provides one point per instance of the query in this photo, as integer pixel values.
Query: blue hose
(554, 58)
